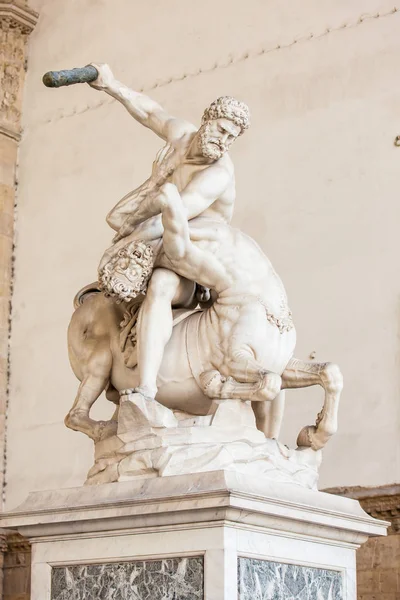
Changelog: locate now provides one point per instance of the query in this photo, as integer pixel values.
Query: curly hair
(111, 283)
(227, 107)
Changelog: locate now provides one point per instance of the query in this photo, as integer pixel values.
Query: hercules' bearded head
(222, 123)
(126, 275)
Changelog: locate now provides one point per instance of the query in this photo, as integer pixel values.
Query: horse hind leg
(300, 374)
(267, 399)
(269, 415)
(216, 386)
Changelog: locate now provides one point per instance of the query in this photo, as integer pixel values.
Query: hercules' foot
(137, 410)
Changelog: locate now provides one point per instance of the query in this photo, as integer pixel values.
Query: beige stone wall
(17, 21)
(317, 183)
(378, 560)
(378, 570)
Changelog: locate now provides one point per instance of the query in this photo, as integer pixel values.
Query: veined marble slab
(266, 580)
(167, 579)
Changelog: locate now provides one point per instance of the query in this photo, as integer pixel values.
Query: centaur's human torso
(250, 316)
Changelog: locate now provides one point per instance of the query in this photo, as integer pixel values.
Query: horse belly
(177, 388)
(277, 348)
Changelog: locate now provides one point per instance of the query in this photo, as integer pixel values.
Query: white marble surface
(153, 441)
(172, 232)
(213, 495)
(219, 515)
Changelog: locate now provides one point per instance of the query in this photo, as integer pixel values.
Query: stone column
(17, 21)
(16, 561)
(3, 548)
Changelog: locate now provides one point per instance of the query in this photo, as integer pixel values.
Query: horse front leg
(96, 375)
(300, 374)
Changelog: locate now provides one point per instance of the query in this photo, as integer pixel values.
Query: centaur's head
(222, 123)
(126, 275)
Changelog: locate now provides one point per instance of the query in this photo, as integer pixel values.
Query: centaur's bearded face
(126, 275)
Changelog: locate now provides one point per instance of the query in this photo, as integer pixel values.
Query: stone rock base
(153, 441)
(213, 536)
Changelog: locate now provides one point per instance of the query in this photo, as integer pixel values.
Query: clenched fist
(105, 79)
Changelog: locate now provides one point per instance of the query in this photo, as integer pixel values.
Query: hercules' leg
(300, 374)
(155, 325)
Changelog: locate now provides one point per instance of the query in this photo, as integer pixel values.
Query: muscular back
(222, 258)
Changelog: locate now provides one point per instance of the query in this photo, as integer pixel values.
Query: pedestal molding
(204, 499)
(382, 502)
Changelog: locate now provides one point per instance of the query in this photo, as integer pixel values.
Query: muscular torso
(222, 208)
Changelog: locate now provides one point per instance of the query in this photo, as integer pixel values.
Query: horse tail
(81, 296)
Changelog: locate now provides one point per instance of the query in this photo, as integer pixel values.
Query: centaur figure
(240, 347)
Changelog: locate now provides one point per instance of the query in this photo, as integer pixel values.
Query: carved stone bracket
(16, 543)
(16, 22)
(380, 502)
(16, 15)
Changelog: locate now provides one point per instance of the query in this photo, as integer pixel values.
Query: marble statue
(188, 329)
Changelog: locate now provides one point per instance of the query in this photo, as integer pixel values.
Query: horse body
(196, 347)
(239, 348)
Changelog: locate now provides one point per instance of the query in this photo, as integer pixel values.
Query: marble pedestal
(218, 535)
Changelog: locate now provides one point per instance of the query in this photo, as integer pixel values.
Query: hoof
(310, 437)
(73, 421)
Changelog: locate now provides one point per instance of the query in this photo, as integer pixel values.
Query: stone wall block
(8, 158)
(17, 570)
(7, 199)
(6, 225)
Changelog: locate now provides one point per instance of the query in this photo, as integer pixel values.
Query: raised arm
(145, 110)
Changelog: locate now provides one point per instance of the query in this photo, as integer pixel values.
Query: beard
(210, 147)
(126, 275)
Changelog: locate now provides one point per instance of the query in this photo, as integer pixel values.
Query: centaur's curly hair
(138, 253)
(227, 107)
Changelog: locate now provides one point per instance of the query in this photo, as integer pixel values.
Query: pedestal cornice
(187, 501)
